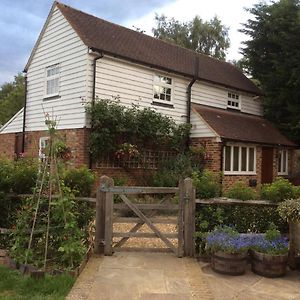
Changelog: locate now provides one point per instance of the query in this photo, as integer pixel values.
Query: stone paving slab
(141, 276)
(251, 286)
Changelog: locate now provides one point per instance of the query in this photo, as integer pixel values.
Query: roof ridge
(152, 37)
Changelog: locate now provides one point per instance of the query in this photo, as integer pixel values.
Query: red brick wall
(213, 163)
(7, 145)
(76, 139)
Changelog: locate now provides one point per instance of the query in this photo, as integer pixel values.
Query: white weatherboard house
(78, 56)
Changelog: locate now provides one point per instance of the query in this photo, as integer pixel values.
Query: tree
(210, 37)
(272, 56)
(12, 96)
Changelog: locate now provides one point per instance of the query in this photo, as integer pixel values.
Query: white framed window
(43, 143)
(52, 81)
(239, 160)
(283, 160)
(233, 100)
(162, 89)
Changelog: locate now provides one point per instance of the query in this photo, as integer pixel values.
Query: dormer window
(52, 81)
(162, 89)
(233, 100)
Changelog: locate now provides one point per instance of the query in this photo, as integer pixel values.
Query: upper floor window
(239, 159)
(52, 81)
(282, 162)
(233, 100)
(162, 88)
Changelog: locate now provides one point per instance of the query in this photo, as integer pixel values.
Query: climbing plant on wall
(114, 125)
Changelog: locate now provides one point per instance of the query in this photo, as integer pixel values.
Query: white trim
(11, 119)
(52, 77)
(280, 151)
(164, 85)
(41, 140)
(240, 146)
(239, 100)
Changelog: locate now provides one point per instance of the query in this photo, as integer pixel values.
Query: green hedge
(243, 218)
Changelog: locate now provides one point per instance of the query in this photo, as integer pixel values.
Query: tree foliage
(12, 96)
(273, 58)
(208, 37)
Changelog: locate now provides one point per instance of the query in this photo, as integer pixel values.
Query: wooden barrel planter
(268, 265)
(229, 264)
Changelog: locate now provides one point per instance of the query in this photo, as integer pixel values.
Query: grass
(14, 286)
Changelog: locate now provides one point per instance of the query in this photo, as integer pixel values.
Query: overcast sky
(22, 20)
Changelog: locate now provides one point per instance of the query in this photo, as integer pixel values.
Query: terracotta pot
(230, 264)
(268, 265)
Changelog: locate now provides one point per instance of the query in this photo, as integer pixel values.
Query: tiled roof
(237, 126)
(125, 43)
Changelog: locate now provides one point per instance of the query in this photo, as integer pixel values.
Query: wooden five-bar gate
(151, 214)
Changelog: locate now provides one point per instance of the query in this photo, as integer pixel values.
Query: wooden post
(100, 215)
(109, 209)
(189, 217)
(181, 219)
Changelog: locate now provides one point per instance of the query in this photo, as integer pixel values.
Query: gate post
(189, 217)
(181, 219)
(103, 223)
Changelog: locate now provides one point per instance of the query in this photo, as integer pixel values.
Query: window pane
(168, 97)
(244, 159)
(236, 158)
(283, 161)
(162, 96)
(279, 161)
(251, 160)
(227, 158)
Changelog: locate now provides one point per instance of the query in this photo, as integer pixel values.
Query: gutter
(100, 55)
(189, 90)
(189, 95)
(24, 114)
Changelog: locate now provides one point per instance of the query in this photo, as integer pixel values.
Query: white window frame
(280, 168)
(164, 85)
(237, 100)
(42, 143)
(240, 172)
(52, 77)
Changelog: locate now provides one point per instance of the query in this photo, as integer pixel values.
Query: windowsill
(282, 174)
(51, 97)
(233, 108)
(162, 104)
(240, 173)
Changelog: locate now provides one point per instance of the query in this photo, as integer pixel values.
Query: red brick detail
(7, 145)
(76, 139)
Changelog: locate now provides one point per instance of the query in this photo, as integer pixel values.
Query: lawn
(13, 286)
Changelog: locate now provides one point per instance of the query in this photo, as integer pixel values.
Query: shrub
(6, 175)
(281, 189)
(241, 191)
(289, 210)
(244, 218)
(80, 181)
(24, 176)
(207, 184)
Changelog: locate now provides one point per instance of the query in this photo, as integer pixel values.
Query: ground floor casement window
(239, 159)
(283, 162)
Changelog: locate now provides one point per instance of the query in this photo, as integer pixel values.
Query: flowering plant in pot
(289, 210)
(228, 250)
(269, 253)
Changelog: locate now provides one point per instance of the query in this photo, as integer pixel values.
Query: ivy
(115, 124)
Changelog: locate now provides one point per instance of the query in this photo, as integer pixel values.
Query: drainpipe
(24, 113)
(189, 92)
(94, 95)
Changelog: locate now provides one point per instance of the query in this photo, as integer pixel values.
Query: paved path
(141, 276)
(251, 286)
